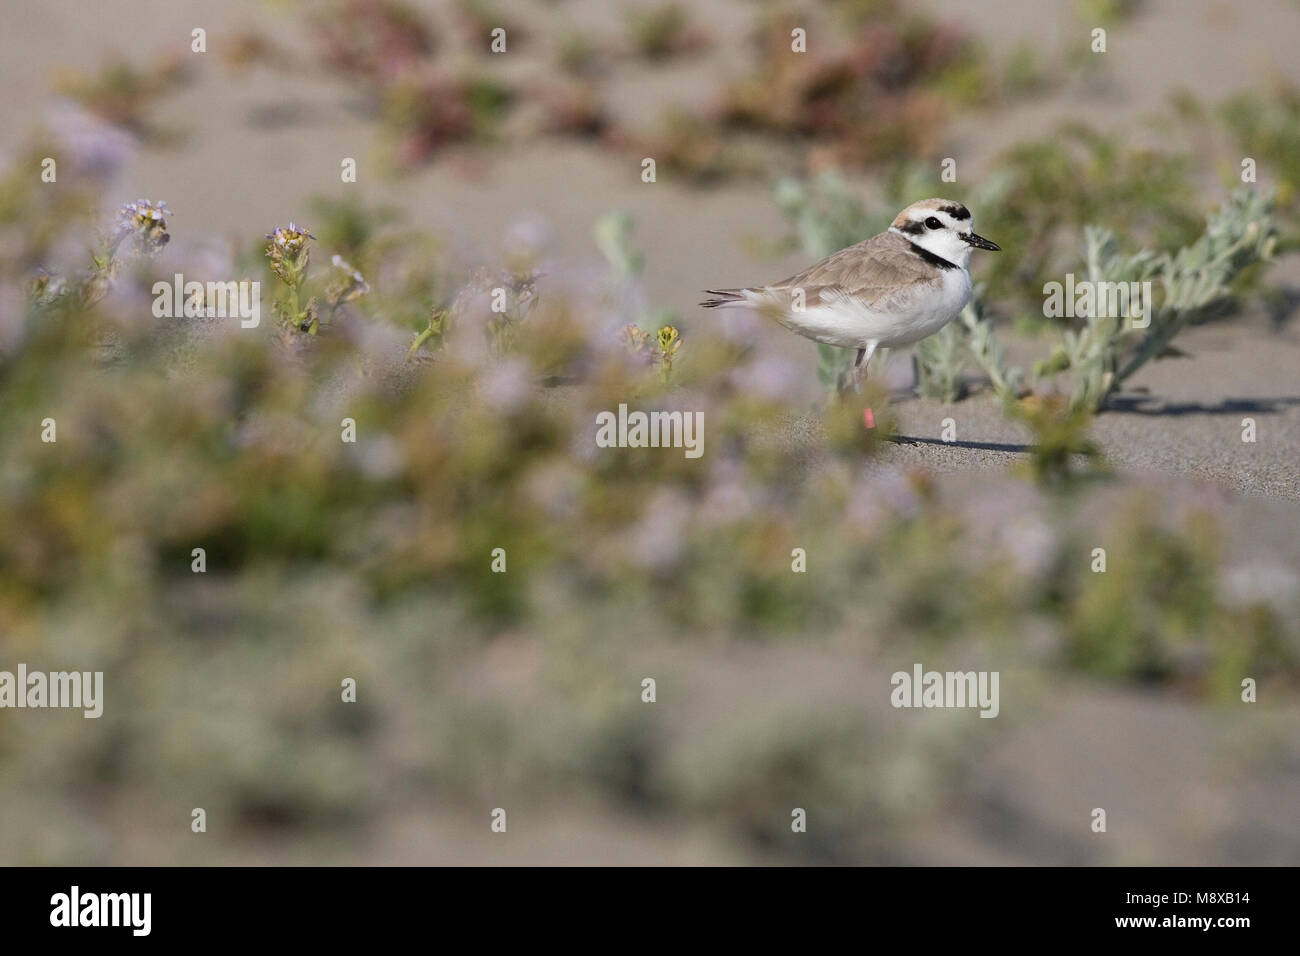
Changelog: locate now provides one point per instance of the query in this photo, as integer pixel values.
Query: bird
(893, 289)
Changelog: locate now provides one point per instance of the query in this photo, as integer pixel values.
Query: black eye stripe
(933, 223)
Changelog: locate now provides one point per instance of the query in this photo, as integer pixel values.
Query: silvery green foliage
(826, 216)
(613, 234)
(985, 349)
(1194, 282)
(940, 361)
(1089, 353)
(834, 367)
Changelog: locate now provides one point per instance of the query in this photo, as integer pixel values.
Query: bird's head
(942, 227)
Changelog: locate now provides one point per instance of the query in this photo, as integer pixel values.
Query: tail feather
(724, 297)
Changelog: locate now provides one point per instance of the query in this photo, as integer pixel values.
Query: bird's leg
(860, 376)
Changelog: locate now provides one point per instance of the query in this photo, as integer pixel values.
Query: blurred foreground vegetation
(327, 559)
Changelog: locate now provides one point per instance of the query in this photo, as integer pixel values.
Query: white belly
(849, 323)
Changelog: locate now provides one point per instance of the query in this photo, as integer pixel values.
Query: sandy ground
(257, 145)
(1182, 417)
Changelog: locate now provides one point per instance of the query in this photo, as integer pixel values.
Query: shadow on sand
(972, 445)
(1135, 405)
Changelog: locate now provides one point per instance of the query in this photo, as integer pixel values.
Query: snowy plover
(892, 289)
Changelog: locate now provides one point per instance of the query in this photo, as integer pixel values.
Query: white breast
(935, 310)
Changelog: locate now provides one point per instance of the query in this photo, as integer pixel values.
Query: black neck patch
(937, 261)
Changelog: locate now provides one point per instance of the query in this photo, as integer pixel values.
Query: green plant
(940, 361)
(504, 326)
(692, 147)
(613, 233)
(1060, 433)
(1267, 129)
(669, 344)
(1047, 189)
(885, 93)
(140, 229)
(944, 356)
(348, 224)
(659, 349)
(1023, 73)
(423, 112)
(434, 334)
(577, 53)
(1195, 282)
(1107, 13)
(661, 31)
(289, 252)
(373, 40)
(122, 93)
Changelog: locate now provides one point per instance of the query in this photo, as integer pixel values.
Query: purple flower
(91, 145)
